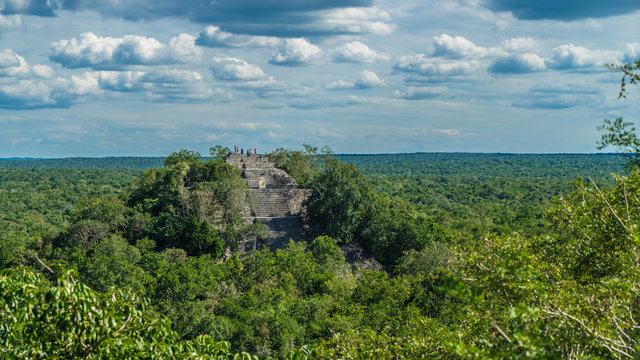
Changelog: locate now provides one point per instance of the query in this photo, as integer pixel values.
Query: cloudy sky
(148, 77)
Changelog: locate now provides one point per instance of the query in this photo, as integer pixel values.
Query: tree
(618, 132)
(339, 194)
(182, 156)
(68, 320)
(621, 134)
(630, 74)
(219, 152)
(301, 165)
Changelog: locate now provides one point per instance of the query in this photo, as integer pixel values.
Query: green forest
(492, 256)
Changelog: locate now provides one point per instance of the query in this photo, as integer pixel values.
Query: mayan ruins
(276, 200)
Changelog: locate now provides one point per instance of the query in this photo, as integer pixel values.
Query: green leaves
(69, 320)
(623, 136)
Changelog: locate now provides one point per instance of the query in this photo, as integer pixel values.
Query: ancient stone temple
(276, 201)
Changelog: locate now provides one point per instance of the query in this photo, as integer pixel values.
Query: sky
(150, 77)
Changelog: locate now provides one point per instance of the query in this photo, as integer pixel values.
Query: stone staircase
(276, 200)
(270, 203)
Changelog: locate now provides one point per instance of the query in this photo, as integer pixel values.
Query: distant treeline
(564, 166)
(118, 163)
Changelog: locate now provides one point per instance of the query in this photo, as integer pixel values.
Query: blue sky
(149, 77)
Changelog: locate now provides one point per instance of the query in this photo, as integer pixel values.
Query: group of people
(250, 151)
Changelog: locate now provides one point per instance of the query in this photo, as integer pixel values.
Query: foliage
(196, 206)
(416, 337)
(573, 293)
(343, 205)
(300, 164)
(339, 193)
(123, 163)
(506, 296)
(630, 74)
(219, 151)
(622, 135)
(69, 320)
(183, 155)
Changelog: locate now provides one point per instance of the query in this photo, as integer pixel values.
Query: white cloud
(14, 65)
(182, 48)
(296, 51)
(10, 22)
(85, 84)
(356, 52)
(632, 52)
(173, 85)
(120, 80)
(520, 45)
(25, 86)
(340, 85)
(25, 94)
(356, 20)
(435, 67)
(230, 68)
(213, 36)
(91, 50)
(572, 56)
(421, 93)
(448, 132)
(367, 80)
(458, 47)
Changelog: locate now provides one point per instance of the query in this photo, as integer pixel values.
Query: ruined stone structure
(276, 201)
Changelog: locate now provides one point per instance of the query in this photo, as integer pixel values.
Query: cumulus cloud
(457, 47)
(295, 52)
(120, 80)
(566, 10)
(25, 94)
(17, 93)
(367, 80)
(14, 65)
(428, 69)
(91, 50)
(25, 86)
(520, 45)
(572, 57)
(517, 64)
(229, 68)
(213, 36)
(356, 52)
(169, 86)
(355, 20)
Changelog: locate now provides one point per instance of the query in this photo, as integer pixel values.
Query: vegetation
(478, 263)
